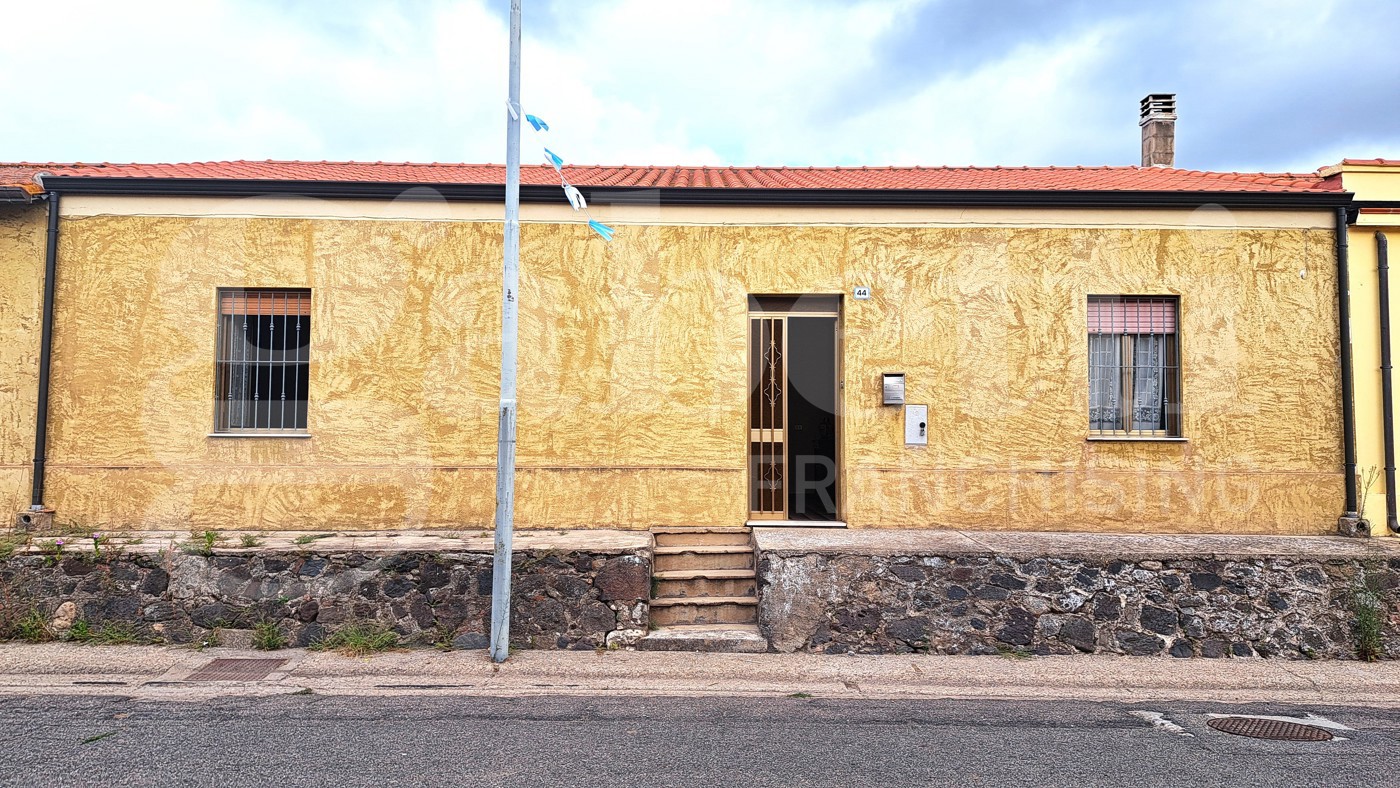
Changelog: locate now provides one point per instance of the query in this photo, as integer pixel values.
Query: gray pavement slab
(161, 673)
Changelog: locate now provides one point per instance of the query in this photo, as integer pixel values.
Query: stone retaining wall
(843, 593)
(572, 598)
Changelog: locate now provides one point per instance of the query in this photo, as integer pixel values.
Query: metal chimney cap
(1158, 106)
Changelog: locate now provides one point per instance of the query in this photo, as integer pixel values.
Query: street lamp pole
(510, 307)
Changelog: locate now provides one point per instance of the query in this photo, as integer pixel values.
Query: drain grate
(1277, 730)
(236, 670)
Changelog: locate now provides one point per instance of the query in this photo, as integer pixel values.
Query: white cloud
(791, 82)
(629, 81)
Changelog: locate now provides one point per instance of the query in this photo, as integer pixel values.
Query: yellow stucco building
(1375, 184)
(1112, 349)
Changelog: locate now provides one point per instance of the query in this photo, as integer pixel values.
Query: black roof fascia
(641, 195)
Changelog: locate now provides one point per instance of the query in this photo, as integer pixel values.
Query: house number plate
(862, 294)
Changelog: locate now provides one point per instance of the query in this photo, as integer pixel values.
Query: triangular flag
(513, 110)
(553, 158)
(537, 123)
(601, 229)
(575, 198)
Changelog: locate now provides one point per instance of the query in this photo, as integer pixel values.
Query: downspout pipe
(1387, 391)
(41, 422)
(1348, 385)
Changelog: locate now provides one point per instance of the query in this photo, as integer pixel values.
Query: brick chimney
(1158, 130)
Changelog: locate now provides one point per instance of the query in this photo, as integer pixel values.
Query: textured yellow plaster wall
(632, 408)
(22, 230)
(1371, 183)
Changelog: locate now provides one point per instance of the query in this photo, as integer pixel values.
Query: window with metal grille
(262, 361)
(1134, 373)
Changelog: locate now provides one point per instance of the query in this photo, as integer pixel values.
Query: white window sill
(1136, 438)
(287, 434)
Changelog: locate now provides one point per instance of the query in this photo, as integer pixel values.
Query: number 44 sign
(862, 294)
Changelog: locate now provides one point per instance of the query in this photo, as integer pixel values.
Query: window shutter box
(1138, 316)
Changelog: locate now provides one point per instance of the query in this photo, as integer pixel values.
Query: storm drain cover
(1278, 730)
(236, 670)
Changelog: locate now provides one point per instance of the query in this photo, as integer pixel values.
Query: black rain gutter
(1387, 400)
(636, 195)
(41, 423)
(1348, 401)
(15, 194)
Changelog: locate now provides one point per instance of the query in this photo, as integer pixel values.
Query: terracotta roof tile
(1146, 179)
(19, 176)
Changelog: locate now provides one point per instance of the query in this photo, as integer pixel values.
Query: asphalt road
(312, 740)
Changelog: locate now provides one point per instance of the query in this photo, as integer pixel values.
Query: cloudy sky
(1262, 84)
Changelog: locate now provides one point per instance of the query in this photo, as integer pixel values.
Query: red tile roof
(1050, 179)
(19, 176)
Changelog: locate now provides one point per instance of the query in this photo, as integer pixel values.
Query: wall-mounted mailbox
(916, 425)
(894, 388)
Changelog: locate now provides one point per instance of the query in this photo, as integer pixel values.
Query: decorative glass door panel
(767, 418)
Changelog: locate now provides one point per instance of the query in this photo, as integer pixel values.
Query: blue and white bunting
(601, 229)
(575, 197)
(570, 191)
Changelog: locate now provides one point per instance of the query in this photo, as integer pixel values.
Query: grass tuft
(202, 543)
(1368, 617)
(358, 639)
(112, 633)
(267, 637)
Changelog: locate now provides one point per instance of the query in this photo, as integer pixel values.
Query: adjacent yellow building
(1376, 186)
(255, 345)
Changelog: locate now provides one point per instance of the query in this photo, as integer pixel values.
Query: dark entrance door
(812, 418)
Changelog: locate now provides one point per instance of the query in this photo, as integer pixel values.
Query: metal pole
(505, 444)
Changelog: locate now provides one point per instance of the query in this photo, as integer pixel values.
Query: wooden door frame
(839, 382)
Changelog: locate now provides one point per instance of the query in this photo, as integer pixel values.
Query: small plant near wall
(250, 540)
(32, 628)
(202, 543)
(1368, 614)
(358, 639)
(104, 549)
(115, 633)
(111, 633)
(267, 637)
(52, 550)
(1366, 479)
(80, 632)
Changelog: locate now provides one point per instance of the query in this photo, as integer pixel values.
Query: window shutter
(1135, 316)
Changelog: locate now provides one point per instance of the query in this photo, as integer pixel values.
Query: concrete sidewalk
(157, 672)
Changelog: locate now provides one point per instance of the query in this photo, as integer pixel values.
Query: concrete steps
(692, 557)
(704, 610)
(730, 638)
(704, 591)
(689, 583)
